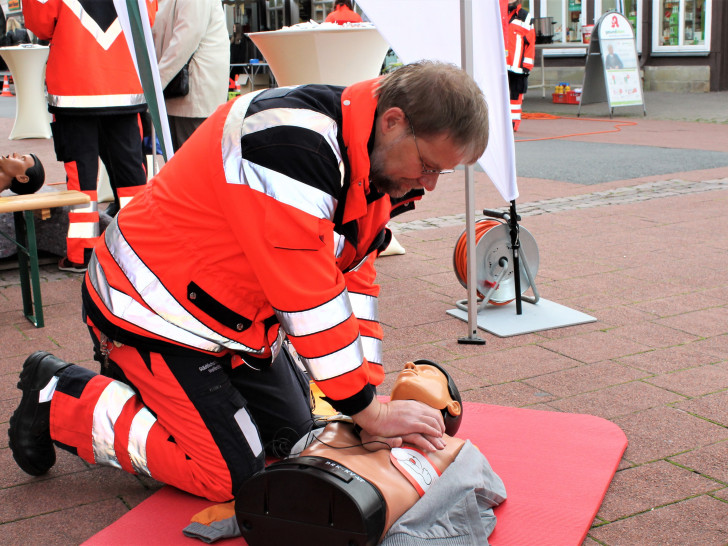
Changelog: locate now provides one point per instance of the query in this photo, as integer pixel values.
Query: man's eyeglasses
(425, 170)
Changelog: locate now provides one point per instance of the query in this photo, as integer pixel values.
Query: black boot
(30, 432)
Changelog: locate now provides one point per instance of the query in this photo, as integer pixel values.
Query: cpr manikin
(339, 491)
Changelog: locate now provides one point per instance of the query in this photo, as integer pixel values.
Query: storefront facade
(682, 44)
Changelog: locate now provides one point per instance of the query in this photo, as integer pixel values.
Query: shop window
(681, 27)
(568, 16)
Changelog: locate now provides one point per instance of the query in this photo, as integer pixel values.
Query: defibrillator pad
(310, 501)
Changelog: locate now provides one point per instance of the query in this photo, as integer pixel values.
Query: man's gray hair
(439, 98)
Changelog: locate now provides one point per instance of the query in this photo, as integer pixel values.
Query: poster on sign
(612, 71)
(620, 60)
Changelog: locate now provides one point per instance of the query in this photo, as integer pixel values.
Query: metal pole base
(471, 340)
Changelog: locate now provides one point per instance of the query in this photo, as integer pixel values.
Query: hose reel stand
(495, 277)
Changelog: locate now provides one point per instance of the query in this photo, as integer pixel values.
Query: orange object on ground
(6, 88)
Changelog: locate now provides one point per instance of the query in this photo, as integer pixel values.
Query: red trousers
(188, 420)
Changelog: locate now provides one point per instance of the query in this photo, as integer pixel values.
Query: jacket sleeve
(292, 255)
(363, 295)
(40, 17)
(529, 55)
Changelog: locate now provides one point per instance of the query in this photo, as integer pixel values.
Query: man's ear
(22, 178)
(391, 118)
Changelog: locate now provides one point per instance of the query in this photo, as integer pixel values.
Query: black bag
(179, 86)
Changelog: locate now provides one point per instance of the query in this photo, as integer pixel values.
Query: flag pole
(466, 59)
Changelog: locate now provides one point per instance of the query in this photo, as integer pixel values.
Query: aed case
(309, 501)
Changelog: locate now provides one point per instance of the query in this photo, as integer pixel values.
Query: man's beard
(382, 182)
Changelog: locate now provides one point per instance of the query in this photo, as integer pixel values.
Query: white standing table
(328, 54)
(27, 64)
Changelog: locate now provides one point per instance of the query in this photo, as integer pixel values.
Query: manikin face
(426, 384)
(14, 166)
(398, 160)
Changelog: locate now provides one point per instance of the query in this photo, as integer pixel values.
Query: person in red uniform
(261, 231)
(520, 41)
(95, 97)
(343, 13)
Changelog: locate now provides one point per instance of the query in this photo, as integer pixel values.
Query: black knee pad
(310, 501)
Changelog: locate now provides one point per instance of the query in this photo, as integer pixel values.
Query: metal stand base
(503, 321)
(470, 340)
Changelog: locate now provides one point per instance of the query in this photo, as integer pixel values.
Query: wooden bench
(23, 207)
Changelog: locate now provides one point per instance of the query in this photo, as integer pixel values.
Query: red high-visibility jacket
(343, 14)
(520, 40)
(90, 68)
(264, 220)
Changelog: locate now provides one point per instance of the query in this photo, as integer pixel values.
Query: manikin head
(429, 383)
(23, 174)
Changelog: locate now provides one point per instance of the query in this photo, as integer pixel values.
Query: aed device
(310, 501)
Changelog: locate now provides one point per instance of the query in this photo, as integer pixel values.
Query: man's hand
(399, 421)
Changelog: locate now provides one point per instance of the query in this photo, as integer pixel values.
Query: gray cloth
(224, 528)
(457, 509)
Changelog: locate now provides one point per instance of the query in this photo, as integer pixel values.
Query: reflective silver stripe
(523, 24)
(372, 349)
(46, 393)
(104, 38)
(124, 201)
(83, 230)
(275, 347)
(167, 318)
(232, 132)
(339, 241)
(289, 191)
(95, 101)
(91, 206)
(518, 52)
(280, 187)
(249, 431)
(335, 364)
(295, 117)
(106, 412)
(364, 307)
(138, 434)
(319, 319)
(527, 60)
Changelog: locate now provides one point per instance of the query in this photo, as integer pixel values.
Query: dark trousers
(79, 141)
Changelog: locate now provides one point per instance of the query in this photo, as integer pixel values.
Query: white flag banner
(430, 29)
(157, 101)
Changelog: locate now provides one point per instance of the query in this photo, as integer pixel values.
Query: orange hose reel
(492, 243)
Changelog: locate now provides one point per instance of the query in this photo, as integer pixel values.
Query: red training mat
(556, 468)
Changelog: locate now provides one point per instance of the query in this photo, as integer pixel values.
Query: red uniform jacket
(520, 41)
(264, 220)
(342, 15)
(89, 63)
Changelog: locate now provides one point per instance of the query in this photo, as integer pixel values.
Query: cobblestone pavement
(618, 196)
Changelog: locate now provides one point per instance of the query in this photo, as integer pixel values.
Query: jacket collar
(358, 105)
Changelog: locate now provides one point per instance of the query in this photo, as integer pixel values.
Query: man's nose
(429, 181)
